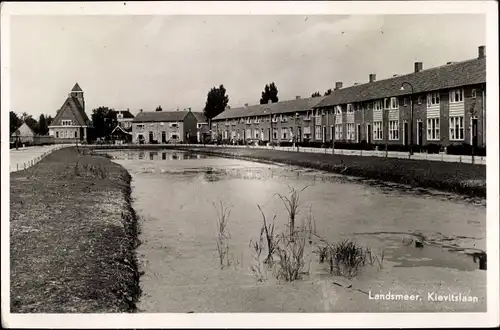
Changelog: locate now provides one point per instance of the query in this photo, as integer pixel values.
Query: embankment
(459, 178)
(73, 235)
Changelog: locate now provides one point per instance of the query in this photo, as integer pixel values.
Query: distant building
(122, 133)
(164, 127)
(202, 129)
(24, 134)
(71, 123)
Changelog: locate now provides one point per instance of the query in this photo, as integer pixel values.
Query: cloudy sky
(144, 61)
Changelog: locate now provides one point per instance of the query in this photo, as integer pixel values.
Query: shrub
(346, 258)
(433, 148)
(223, 236)
(465, 149)
(286, 144)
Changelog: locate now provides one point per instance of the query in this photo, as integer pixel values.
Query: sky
(140, 62)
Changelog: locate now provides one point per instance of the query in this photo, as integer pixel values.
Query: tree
(328, 92)
(42, 125)
(216, 102)
(315, 94)
(15, 122)
(104, 121)
(158, 108)
(270, 93)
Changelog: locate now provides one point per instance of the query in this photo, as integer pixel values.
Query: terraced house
(164, 127)
(272, 122)
(448, 107)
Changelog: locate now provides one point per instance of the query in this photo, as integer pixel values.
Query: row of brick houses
(448, 108)
(168, 127)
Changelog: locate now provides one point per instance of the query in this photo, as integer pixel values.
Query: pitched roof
(73, 105)
(126, 113)
(76, 88)
(200, 117)
(118, 129)
(458, 74)
(159, 116)
(275, 108)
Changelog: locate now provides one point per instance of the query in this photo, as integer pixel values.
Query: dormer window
(350, 108)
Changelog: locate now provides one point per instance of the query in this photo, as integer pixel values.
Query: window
(457, 95)
(307, 116)
(369, 106)
(387, 103)
(420, 99)
(433, 98)
(256, 133)
(275, 133)
(456, 128)
(350, 108)
(214, 124)
(319, 134)
(405, 101)
(283, 119)
(393, 130)
(233, 134)
(275, 119)
(284, 133)
(394, 103)
(76, 134)
(307, 132)
(57, 134)
(433, 129)
(338, 132)
(378, 105)
(224, 135)
(161, 124)
(338, 110)
(66, 122)
(377, 130)
(473, 93)
(249, 133)
(257, 120)
(141, 126)
(175, 125)
(350, 132)
(249, 121)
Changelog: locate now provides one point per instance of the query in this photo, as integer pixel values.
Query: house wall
(156, 128)
(189, 127)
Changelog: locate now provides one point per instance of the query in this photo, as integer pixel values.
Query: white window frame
(338, 132)
(433, 129)
(66, 122)
(393, 130)
(433, 98)
(387, 103)
(350, 108)
(457, 95)
(378, 105)
(453, 129)
(284, 131)
(378, 132)
(338, 110)
(394, 103)
(350, 131)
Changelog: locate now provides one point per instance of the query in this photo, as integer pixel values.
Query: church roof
(73, 105)
(77, 88)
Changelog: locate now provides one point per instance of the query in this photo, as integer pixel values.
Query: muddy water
(174, 193)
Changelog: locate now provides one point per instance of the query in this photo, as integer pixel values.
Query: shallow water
(174, 194)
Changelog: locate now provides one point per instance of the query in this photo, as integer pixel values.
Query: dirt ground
(72, 236)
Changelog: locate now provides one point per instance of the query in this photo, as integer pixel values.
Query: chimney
(297, 97)
(481, 51)
(338, 85)
(269, 101)
(419, 66)
(140, 111)
(246, 105)
(373, 77)
(395, 75)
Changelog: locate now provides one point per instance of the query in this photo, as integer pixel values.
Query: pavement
(26, 157)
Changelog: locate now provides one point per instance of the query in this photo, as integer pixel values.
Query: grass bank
(73, 235)
(460, 178)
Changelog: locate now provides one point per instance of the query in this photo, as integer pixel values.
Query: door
(369, 133)
(324, 134)
(406, 134)
(358, 134)
(150, 137)
(163, 137)
(420, 133)
(474, 133)
(299, 134)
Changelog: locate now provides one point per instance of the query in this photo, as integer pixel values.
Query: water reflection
(155, 155)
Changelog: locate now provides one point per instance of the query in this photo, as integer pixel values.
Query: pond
(174, 194)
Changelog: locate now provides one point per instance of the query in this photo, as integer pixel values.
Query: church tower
(77, 93)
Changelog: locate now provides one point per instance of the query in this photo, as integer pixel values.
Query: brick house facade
(164, 127)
